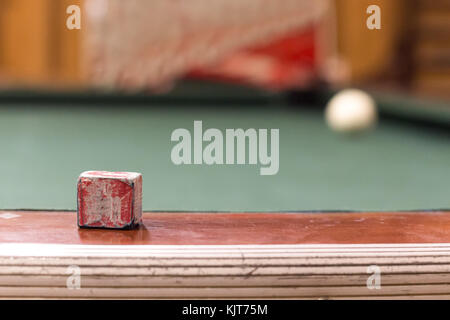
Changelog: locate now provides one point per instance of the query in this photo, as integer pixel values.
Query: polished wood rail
(228, 255)
(186, 228)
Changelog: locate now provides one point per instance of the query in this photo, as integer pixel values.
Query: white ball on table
(351, 110)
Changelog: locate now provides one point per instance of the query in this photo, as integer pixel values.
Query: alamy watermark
(73, 282)
(233, 147)
(374, 280)
(74, 19)
(374, 20)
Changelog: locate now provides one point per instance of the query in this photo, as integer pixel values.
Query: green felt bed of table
(46, 142)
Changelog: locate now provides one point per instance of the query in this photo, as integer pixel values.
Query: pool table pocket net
(139, 43)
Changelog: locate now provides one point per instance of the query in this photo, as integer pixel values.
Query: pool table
(339, 206)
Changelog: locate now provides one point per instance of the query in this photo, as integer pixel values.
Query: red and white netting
(147, 43)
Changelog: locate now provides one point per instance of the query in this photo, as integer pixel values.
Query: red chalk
(109, 199)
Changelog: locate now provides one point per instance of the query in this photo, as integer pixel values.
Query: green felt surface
(45, 146)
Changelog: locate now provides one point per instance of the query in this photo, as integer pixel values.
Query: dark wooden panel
(233, 228)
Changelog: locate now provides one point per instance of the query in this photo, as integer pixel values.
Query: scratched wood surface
(228, 255)
(180, 228)
(224, 271)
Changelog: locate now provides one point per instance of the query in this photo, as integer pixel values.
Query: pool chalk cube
(110, 200)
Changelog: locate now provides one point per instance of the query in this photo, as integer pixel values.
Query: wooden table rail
(228, 255)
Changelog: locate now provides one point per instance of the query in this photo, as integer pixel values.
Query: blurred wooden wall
(370, 52)
(431, 49)
(36, 48)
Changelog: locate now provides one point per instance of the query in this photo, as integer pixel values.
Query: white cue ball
(351, 110)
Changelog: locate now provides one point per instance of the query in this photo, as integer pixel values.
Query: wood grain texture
(369, 52)
(233, 271)
(228, 255)
(175, 228)
(26, 38)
